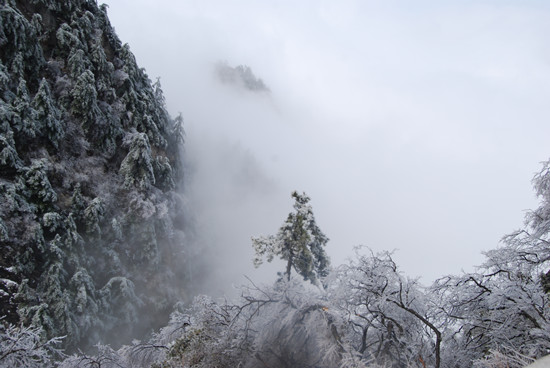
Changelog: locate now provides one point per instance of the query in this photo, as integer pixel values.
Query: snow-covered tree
(24, 117)
(178, 131)
(299, 242)
(22, 346)
(528, 250)
(287, 325)
(67, 39)
(500, 312)
(390, 318)
(492, 310)
(20, 43)
(120, 304)
(38, 184)
(78, 63)
(504, 305)
(9, 158)
(296, 326)
(84, 103)
(47, 114)
(93, 214)
(163, 173)
(137, 166)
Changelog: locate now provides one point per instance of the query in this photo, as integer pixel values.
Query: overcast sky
(412, 125)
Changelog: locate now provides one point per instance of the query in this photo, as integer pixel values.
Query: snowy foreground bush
(369, 315)
(365, 313)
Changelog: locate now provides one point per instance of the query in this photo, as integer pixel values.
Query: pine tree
(78, 63)
(84, 103)
(299, 242)
(48, 115)
(36, 180)
(67, 40)
(178, 131)
(25, 116)
(93, 214)
(8, 155)
(137, 166)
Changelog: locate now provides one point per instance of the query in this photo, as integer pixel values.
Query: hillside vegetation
(91, 223)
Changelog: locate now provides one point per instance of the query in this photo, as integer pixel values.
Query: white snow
(543, 362)
(9, 283)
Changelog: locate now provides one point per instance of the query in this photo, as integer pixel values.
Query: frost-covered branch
(22, 346)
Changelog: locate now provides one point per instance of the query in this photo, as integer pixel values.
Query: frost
(162, 210)
(386, 311)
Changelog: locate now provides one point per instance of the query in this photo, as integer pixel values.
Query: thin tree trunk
(430, 326)
(288, 267)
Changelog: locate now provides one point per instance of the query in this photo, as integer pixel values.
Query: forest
(99, 258)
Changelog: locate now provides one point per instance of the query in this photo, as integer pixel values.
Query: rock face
(91, 222)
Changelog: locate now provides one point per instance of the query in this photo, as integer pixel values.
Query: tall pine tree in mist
(299, 242)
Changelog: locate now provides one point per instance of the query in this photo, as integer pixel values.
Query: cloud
(415, 127)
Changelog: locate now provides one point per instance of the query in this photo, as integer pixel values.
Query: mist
(411, 129)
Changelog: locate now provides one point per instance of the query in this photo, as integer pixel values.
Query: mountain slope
(91, 224)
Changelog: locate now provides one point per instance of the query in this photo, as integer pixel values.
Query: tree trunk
(288, 267)
(430, 326)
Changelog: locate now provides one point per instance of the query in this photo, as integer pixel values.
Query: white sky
(414, 126)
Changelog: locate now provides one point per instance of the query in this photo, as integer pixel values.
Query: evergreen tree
(24, 115)
(177, 131)
(84, 104)
(8, 155)
(47, 114)
(137, 166)
(299, 242)
(38, 184)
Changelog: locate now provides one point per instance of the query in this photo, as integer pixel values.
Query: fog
(412, 127)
